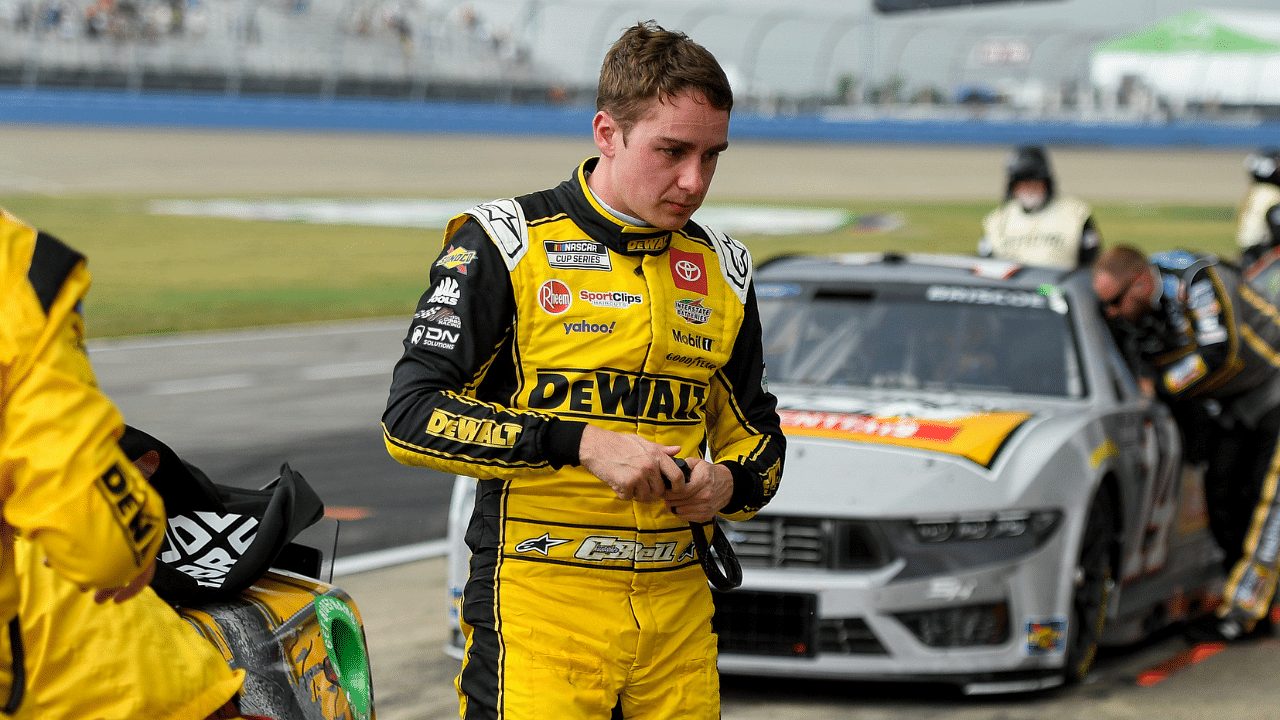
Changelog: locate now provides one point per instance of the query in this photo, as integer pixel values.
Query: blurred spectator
(1035, 225)
(1254, 233)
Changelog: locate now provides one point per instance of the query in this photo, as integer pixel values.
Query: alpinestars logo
(539, 544)
(446, 293)
(206, 545)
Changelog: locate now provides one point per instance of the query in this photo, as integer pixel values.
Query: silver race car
(976, 490)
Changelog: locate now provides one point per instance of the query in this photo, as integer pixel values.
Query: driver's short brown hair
(649, 63)
(1122, 262)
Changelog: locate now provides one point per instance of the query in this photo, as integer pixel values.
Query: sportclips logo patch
(206, 545)
(555, 297)
(688, 271)
(615, 395)
(610, 299)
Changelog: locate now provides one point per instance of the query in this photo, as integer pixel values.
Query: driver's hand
(709, 489)
(636, 469)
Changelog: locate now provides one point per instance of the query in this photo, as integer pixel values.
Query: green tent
(1226, 56)
(1191, 31)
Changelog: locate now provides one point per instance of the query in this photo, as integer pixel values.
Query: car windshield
(931, 337)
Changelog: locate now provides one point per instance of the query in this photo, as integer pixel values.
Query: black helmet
(1028, 162)
(1264, 165)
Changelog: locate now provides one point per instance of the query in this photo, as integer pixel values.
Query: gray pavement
(404, 609)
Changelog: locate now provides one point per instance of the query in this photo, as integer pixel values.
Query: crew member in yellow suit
(86, 638)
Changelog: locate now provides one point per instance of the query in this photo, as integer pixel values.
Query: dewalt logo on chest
(611, 394)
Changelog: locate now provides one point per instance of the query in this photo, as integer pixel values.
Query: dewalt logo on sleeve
(137, 520)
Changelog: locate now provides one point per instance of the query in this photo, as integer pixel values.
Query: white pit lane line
(335, 371)
(204, 384)
(379, 559)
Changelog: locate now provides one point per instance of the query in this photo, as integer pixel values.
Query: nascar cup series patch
(577, 255)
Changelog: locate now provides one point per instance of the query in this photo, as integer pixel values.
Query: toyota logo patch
(688, 271)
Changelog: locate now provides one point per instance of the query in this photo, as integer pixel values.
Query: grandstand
(335, 48)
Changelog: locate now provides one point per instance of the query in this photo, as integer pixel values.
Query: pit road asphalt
(404, 607)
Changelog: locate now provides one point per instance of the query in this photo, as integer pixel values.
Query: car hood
(869, 458)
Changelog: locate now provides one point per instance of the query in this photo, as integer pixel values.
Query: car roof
(884, 267)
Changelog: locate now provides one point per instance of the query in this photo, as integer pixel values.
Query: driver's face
(1126, 298)
(661, 171)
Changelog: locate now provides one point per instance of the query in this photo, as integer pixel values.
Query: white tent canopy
(1225, 56)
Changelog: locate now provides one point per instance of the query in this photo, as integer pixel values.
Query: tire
(1094, 579)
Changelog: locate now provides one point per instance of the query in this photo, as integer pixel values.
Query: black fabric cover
(219, 539)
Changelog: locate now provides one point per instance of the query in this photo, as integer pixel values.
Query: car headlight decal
(1038, 525)
(344, 642)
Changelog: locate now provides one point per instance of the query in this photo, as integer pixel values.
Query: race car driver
(1204, 335)
(573, 341)
(1035, 225)
(78, 514)
(1254, 229)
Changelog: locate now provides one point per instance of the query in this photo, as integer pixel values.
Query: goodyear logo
(457, 258)
(130, 510)
(610, 394)
(473, 431)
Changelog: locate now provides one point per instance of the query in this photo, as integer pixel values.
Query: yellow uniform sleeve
(64, 480)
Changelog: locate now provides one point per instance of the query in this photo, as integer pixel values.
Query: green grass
(156, 274)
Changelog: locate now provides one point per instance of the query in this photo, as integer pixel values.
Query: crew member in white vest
(1253, 230)
(1035, 225)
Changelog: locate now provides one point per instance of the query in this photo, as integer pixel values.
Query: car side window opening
(899, 339)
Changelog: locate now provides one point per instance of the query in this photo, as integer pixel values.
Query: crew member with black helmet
(1254, 229)
(1035, 225)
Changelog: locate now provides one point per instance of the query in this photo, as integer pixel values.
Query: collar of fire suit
(620, 236)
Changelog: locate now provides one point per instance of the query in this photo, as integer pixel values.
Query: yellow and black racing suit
(83, 516)
(546, 313)
(1215, 338)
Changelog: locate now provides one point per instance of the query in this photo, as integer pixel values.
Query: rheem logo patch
(554, 297)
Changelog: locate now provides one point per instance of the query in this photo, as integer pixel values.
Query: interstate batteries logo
(610, 299)
(693, 312)
(554, 297)
(577, 255)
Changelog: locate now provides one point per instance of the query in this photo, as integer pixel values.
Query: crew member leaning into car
(571, 343)
(1204, 335)
(77, 514)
